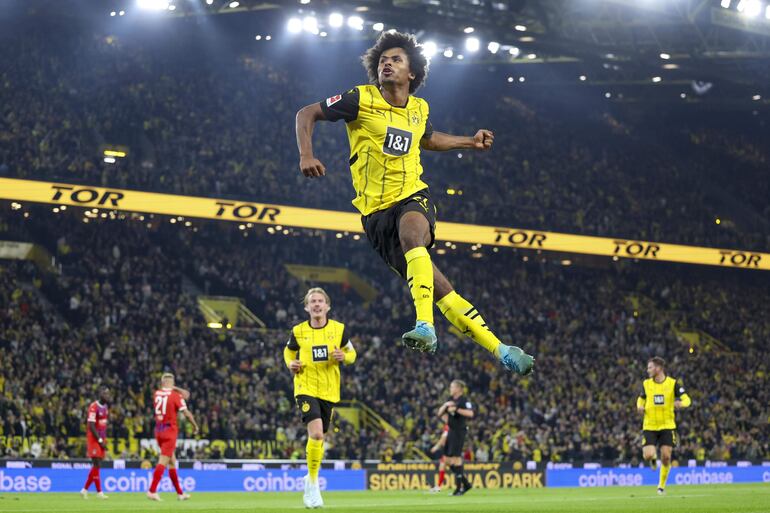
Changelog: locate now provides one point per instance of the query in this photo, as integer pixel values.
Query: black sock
(459, 477)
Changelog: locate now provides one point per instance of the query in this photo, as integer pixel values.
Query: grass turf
(744, 498)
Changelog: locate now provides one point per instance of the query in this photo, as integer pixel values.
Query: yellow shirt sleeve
(640, 402)
(350, 353)
(289, 355)
(686, 401)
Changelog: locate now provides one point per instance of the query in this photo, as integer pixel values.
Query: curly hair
(418, 63)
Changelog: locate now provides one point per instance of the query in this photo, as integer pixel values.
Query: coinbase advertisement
(599, 477)
(137, 480)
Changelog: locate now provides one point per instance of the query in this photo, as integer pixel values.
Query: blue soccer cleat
(516, 360)
(422, 338)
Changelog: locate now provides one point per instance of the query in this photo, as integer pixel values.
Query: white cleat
(435, 489)
(183, 497)
(84, 493)
(312, 496)
(153, 496)
(661, 491)
(101, 495)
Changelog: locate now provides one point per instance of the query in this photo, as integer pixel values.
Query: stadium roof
(634, 43)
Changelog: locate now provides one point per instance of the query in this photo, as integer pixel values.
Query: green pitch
(753, 498)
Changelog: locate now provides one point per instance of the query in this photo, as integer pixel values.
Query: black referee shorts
(667, 437)
(381, 228)
(455, 442)
(313, 408)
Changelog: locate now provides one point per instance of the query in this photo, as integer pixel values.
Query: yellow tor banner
(253, 212)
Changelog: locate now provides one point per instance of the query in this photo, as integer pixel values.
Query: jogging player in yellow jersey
(660, 396)
(314, 352)
(386, 127)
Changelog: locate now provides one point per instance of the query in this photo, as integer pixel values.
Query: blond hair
(460, 383)
(316, 290)
(166, 376)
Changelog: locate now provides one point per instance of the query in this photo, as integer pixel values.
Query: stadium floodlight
(209, 2)
(510, 79)
(608, 94)
(310, 24)
(113, 13)
(460, 57)
(448, 53)
(356, 22)
(583, 78)
(472, 44)
(514, 51)
(379, 26)
(172, 7)
(323, 34)
(767, 12)
(258, 37)
(336, 20)
(234, 4)
(493, 46)
(756, 97)
(303, 2)
(152, 5)
(429, 49)
(268, 37)
(294, 25)
(753, 8)
(121, 13)
(531, 56)
(656, 79)
(522, 79)
(521, 28)
(468, 30)
(725, 4)
(665, 56)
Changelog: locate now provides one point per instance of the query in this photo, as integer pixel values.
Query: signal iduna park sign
(255, 212)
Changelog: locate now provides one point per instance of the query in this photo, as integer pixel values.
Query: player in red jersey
(167, 402)
(96, 435)
(439, 448)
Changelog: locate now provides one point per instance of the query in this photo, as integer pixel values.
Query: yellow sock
(467, 319)
(664, 469)
(315, 453)
(419, 277)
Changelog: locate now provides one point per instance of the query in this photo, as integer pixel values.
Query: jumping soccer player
(314, 352)
(96, 435)
(660, 396)
(459, 409)
(167, 402)
(386, 128)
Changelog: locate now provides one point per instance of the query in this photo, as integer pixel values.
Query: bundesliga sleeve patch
(334, 99)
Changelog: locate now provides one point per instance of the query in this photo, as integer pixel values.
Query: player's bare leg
(665, 467)
(414, 236)
(315, 439)
(650, 456)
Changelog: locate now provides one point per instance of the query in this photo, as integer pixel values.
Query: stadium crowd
(225, 127)
(123, 309)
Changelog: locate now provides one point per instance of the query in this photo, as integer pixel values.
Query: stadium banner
(424, 476)
(281, 215)
(602, 477)
(138, 480)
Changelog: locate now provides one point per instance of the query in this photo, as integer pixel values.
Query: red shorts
(167, 442)
(94, 449)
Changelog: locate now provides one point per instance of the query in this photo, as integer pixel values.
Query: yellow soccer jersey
(384, 145)
(320, 375)
(658, 401)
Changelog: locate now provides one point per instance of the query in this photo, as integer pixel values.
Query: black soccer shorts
(662, 437)
(381, 228)
(313, 408)
(454, 444)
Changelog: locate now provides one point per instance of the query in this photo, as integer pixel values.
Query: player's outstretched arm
(640, 404)
(310, 166)
(184, 393)
(439, 141)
